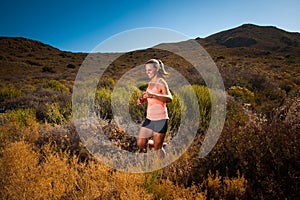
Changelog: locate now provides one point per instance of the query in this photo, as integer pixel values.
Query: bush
(21, 116)
(243, 94)
(251, 160)
(225, 188)
(137, 112)
(56, 114)
(203, 96)
(174, 112)
(201, 100)
(103, 103)
(127, 96)
(264, 154)
(56, 85)
(18, 125)
(9, 93)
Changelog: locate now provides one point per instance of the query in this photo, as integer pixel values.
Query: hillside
(23, 59)
(256, 157)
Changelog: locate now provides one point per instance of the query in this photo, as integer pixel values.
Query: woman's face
(151, 71)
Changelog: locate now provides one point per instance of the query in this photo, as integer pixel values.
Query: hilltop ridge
(267, 38)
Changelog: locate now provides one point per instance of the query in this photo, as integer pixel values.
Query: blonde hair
(159, 65)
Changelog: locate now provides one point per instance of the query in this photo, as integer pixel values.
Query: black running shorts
(159, 126)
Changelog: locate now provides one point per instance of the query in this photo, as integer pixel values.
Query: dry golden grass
(28, 171)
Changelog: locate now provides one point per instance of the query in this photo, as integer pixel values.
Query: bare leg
(158, 144)
(158, 140)
(143, 136)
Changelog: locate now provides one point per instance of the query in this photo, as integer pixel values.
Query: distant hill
(22, 45)
(267, 38)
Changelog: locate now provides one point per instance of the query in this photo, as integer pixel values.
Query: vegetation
(9, 93)
(256, 156)
(32, 167)
(56, 85)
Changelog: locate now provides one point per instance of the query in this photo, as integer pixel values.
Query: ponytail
(159, 65)
(162, 69)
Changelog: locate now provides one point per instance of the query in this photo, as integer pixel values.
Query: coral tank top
(156, 109)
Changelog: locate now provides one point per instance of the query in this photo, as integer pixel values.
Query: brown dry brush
(33, 167)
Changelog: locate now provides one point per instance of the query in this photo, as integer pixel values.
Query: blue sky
(79, 26)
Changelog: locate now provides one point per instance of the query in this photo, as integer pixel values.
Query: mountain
(20, 45)
(268, 38)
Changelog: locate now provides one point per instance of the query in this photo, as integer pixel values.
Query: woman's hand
(139, 101)
(143, 99)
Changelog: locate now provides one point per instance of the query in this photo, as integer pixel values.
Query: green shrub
(184, 105)
(268, 100)
(103, 103)
(203, 96)
(174, 112)
(243, 94)
(56, 85)
(137, 112)
(56, 114)
(126, 97)
(9, 93)
(235, 114)
(22, 116)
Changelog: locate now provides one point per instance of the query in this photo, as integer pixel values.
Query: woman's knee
(141, 143)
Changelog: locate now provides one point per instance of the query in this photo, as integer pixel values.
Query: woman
(157, 95)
